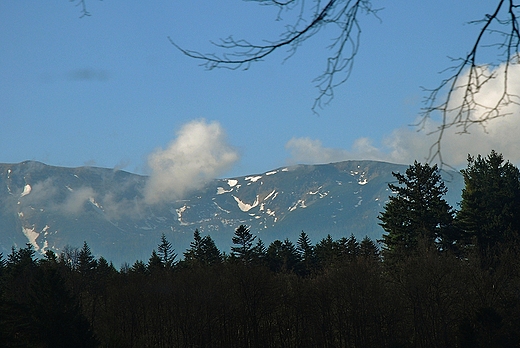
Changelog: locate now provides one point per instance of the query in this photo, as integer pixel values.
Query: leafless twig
(456, 98)
(240, 53)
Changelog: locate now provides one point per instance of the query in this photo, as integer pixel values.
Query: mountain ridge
(51, 207)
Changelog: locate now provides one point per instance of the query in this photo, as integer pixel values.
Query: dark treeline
(443, 278)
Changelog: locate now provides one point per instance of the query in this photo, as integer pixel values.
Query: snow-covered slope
(51, 207)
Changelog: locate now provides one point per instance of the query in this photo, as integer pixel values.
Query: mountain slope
(51, 207)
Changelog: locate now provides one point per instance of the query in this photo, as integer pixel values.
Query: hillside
(51, 207)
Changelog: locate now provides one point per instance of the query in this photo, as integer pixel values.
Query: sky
(110, 90)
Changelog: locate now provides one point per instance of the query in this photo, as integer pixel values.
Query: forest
(439, 277)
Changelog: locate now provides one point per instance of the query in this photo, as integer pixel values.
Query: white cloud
(199, 153)
(406, 144)
(76, 200)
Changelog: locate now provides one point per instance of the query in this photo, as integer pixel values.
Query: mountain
(51, 207)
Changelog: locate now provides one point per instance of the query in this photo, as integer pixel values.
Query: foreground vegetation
(442, 279)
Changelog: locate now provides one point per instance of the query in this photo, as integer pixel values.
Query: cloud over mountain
(406, 144)
(199, 153)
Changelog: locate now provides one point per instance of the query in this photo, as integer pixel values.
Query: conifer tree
(417, 212)
(368, 249)
(86, 261)
(202, 250)
(349, 247)
(306, 253)
(490, 208)
(154, 263)
(138, 267)
(166, 252)
(282, 256)
(243, 239)
(326, 251)
(304, 247)
(259, 251)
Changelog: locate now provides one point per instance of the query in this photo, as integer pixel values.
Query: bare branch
(83, 5)
(344, 14)
(456, 98)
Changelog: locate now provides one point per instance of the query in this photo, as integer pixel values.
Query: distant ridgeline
(53, 207)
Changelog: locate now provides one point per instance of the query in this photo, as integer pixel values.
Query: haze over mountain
(51, 207)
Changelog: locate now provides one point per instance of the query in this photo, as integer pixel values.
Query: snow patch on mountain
(31, 235)
(269, 195)
(315, 192)
(245, 207)
(221, 190)
(271, 173)
(26, 190)
(253, 178)
(179, 214)
(232, 182)
(219, 207)
(300, 203)
(96, 204)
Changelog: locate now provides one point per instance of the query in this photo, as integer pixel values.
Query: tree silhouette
(202, 250)
(166, 252)
(243, 240)
(490, 207)
(417, 212)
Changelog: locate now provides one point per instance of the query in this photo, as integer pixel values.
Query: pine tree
(86, 261)
(138, 267)
(304, 247)
(202, 250)
(259, 252)
(417, 212)
(490, 208)
(155, 263)
(243, 239)
(166, 253)
(368, 249)
(349, 247)
(282, 256)
(306, 253)
(326, 251)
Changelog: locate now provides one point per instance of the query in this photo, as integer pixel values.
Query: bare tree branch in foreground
(454, 100)
(343, 14)
(83, 5)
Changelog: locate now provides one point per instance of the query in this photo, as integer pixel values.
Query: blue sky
(110, 90)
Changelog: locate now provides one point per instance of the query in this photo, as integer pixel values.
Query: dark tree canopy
(490, 207)
(417, 212)
(166, 252)
(202, 250)
(243, 240)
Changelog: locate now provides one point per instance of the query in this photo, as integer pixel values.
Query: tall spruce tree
(243, 240)
(368, 249)
(417, 212)
(202, 250)
(166, 252)
(490, 208)
(86, 261)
